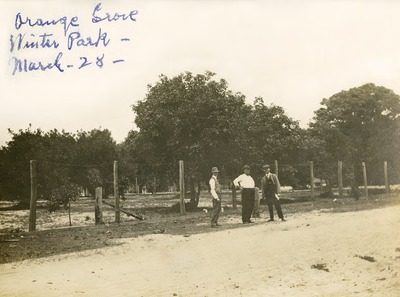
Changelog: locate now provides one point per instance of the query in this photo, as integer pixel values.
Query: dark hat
(246, 167)
(214, 170)
(266, 166)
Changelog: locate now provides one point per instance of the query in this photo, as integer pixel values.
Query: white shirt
(212, 187)
(244, 181)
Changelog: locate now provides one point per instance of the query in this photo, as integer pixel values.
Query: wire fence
(58, 201)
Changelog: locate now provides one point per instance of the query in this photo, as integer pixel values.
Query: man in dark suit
(270, 190)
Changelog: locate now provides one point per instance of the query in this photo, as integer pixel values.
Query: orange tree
(358, 125)
(198, 119)
(193, 118)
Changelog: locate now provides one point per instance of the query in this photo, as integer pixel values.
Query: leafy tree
(361, 124)
(271, 135)
(24, 146)
(191, 118)
(62, 161)
(96, 151)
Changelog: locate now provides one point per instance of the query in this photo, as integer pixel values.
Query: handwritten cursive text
(112, 17)
(23, 65)
(67, 23)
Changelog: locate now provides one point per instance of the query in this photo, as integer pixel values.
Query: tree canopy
(359, 125)
(198, 119)
(63, 160)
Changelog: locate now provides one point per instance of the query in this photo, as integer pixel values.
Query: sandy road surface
(273, 259)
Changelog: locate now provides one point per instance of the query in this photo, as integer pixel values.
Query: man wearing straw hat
(215, 190)
(270, 189)
(246, 183)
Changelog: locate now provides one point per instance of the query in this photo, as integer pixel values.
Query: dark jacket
(275, 181)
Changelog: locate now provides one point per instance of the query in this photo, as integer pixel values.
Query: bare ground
(326, 248)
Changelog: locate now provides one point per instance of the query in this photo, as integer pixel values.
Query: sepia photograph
(200, 148)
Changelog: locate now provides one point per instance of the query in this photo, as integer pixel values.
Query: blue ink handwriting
(110, 18)
(41, 23)
(74, 38)
(19, 42)
(23, 65)
(71, 37)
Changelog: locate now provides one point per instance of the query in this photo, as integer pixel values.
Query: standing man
(270, 189)
(215, 190)
(246, 183)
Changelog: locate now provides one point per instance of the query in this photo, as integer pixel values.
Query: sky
(291, 53)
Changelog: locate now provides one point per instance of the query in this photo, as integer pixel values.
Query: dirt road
(357, 253)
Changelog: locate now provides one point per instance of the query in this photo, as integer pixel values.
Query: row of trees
(66, 163)
(198, 119)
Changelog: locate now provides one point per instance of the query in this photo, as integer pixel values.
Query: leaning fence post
(234, 203)
(340, 178)
(364, 168)
(276, 167)
(182, 186)
(32, 209)
(98, 207)
(116, 192)
(256, 210)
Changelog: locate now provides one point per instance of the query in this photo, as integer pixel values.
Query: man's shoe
(250, 222)
(218, 225)
(270, 220)
(283, 220)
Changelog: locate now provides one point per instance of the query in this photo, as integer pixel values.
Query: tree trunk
(194, 193)
(198, 193)
(354, 183)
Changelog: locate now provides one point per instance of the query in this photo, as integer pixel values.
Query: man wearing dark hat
(215, 190)
(246, 183)
(270, 189)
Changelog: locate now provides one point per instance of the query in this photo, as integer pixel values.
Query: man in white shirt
(215, 191)
(246, 183)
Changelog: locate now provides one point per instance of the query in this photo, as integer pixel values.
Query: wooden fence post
(98, 206)
(256, 210)
(182, 186)
(155, 185)
(340, 178)
(32, 209)
(234, 201)
(364, 168)
(137, 186)
(385, 172)
(312, 178)
(116, 193)
(276, 167)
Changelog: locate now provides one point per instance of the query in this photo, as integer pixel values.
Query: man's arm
(237, 181)
(263, 187)
(278, 185)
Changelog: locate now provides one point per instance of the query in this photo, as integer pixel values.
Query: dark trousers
(271, 201)
(247, 204)
(216, 210)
